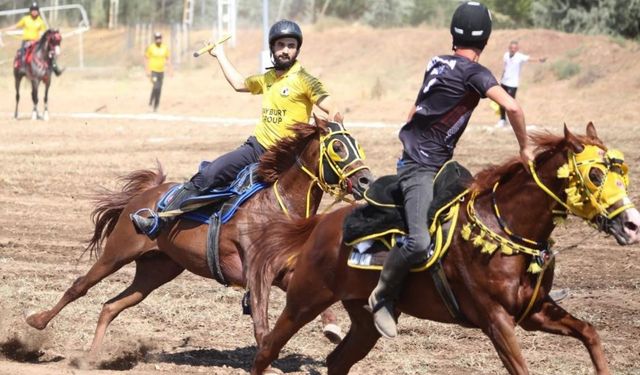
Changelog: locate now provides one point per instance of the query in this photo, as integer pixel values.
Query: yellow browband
(337, 190)
(586, 198)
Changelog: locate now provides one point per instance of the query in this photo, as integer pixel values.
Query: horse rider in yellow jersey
(32, 26)
(156, 59)
(289, 94)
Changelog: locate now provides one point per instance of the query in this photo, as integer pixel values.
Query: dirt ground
(194, 325)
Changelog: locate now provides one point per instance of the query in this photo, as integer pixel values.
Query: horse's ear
(572, 141)
(320, 122)
(591, 131)
(338, 118)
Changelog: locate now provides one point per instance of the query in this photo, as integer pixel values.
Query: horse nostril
(631, 226)
(363, 181)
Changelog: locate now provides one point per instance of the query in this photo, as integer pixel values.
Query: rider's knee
(415, 249)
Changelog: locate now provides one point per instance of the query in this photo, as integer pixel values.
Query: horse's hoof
(272, 371)
(333, 332)
(31, 318)
(45, 117)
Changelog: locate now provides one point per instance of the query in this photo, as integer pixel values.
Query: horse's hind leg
(330, 327)
(554, 319)
(153, 269)
(360, 339)
(122, 247)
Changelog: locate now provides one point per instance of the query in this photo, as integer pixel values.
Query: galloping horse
(318, 158)
(495, 293)
(37, 67)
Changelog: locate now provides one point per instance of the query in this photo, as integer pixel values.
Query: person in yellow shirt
(32, 26)
(156, 60)
(289, 94)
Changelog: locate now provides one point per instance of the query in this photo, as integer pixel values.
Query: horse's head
(596, 188)
(326, 153)
(341, 160)
(52, 40)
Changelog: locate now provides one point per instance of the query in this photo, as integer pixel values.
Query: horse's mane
(545, 142)
(43, 37)
(283, 154)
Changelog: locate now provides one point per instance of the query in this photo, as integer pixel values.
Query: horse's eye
(337, 151)
(596, 176)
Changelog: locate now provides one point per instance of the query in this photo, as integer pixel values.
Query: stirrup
(151, 230)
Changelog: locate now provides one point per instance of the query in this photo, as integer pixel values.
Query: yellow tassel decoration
(489, 247)
(534, 267)
(559, 220)
(564, 172)
(506, 249)
(466, 231)
(478, 240)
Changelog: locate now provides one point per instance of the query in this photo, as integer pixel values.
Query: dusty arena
(100, 128)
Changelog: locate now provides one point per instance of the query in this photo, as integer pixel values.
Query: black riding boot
(151, 226)
(56, 69)
(381, 301)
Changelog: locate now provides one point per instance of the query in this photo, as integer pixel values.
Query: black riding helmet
(471, 25)
(34, 6)
(285, 29)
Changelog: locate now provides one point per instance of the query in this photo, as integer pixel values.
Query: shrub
(565, 69)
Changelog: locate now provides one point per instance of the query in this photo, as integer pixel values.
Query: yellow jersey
(287, 100)
(31, 28)
(157, 57)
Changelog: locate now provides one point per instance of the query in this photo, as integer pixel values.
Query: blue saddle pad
(221, 201)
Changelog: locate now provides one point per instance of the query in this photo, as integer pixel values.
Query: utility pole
(227, 15)
(113, 14)
(265, 57)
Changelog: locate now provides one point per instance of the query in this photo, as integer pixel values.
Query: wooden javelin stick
(209, 47)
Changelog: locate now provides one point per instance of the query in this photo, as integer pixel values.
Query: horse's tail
(280, 244)
(109, 204)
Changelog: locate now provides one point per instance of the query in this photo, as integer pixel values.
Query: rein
(338, 190)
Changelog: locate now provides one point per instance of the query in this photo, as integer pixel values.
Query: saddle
(216, 208)
(221, 201)
(24, 57)
(376, 227)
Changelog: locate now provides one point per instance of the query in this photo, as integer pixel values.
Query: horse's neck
(525, 208)
(293, 187)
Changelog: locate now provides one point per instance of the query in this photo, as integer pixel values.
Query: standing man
(288, 92)
(156, 59)
(451, 89)
(32, 26)
(513, 61)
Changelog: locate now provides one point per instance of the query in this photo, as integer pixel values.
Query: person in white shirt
(513, 61)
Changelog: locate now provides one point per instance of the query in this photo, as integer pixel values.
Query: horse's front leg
(500, 328)
(17, 78)
(554, 319)
(34, 99)
(45, 115)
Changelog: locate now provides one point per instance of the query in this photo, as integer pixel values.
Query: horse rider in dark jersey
(32, 26)
(451, 89)
(289, 93)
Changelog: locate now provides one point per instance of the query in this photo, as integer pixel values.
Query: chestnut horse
(294, 167)
(37, 70)
(495, 292)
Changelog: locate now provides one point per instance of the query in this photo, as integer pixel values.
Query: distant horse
(37, 67)
(494, 290)
(318, 158)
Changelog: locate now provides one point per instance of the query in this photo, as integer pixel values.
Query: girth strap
(445, 292)
(213, 250)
